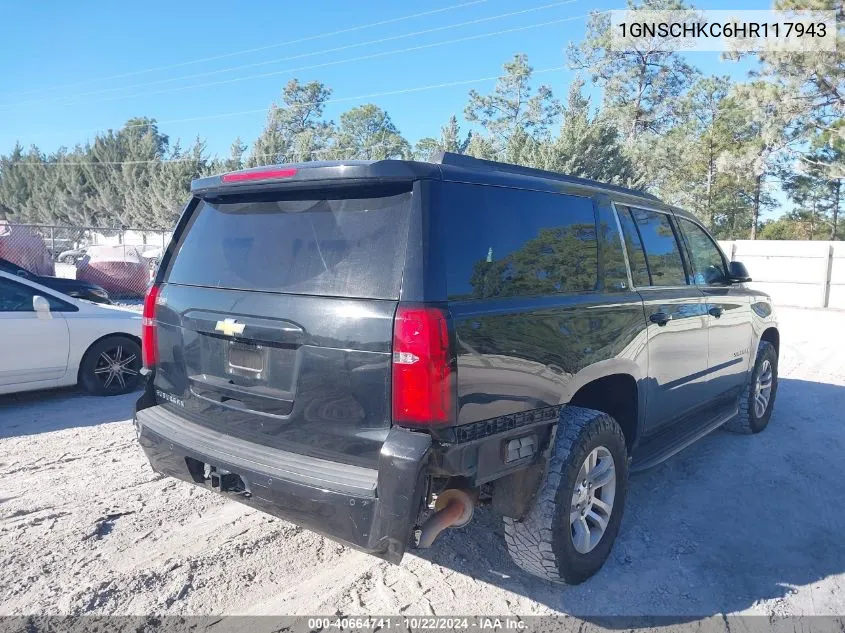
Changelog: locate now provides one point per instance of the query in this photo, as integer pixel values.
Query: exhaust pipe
(454, 508)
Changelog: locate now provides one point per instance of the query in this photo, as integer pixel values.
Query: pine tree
(450, 140)
(295, 130)
(692, 149)
(641, 85)
(815, 81)
(761, 113)
(367, 132)
(587, 146)
(236, 156)
(170, 184)
(513, 110)
(16, 182)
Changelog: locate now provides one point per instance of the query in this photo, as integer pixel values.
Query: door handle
(661, 318)
(716, 311)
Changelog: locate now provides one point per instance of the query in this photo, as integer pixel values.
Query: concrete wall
(794, 273)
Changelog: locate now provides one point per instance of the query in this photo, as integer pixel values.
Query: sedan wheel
(111, 367)
(116, 368)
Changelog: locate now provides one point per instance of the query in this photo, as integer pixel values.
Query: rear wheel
(111, 366)
(758, 399)
(569, 531)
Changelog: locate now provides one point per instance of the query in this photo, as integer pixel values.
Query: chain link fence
(122, 261)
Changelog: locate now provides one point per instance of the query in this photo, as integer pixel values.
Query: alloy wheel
(763, 388)
(592, 499)
(114, 369)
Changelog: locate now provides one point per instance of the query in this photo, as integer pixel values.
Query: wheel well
(131, 337)
(771, 335)
(615, 395)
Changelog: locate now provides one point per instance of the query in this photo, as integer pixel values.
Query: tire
(543, 542)
(94, 371)
(749, 419)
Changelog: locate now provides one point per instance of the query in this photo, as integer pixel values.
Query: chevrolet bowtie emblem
(230, 327)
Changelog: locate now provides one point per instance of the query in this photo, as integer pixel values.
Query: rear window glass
(501, 242)
(350, 246)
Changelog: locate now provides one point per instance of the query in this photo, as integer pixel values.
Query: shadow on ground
(35, 412)
(730, 521)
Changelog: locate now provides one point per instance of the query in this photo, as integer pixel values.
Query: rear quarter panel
(520, 354)
(92, 323)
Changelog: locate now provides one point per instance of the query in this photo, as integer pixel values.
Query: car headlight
(100, 293)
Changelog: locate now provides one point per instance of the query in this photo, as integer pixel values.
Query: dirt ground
(732, 524)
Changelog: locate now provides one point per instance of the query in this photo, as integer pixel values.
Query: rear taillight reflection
(422, 371)
(149, 348)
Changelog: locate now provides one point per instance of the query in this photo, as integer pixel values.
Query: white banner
(725, 31)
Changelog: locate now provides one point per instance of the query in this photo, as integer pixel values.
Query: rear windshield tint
(351, 245)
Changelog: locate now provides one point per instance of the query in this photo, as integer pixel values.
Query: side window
(501, 242)
(15, 297)
(634, 246)
(663, 255)
(57, 305)
(708, 266)
(614, 271)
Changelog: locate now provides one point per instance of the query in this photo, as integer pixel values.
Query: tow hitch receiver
(225, 481)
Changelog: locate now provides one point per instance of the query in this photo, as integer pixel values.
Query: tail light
(259, 174)
(149, 347)
(422, 370)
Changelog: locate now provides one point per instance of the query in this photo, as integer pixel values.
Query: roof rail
(468, 162)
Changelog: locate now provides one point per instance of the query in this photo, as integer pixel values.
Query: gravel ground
(732, 524)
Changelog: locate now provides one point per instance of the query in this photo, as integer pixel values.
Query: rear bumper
(372, 510)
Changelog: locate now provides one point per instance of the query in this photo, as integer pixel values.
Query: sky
(213, 68)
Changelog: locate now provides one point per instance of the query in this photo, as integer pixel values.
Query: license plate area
(248, 361)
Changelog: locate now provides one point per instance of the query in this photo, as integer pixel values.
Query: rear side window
(501, 242)
(634, 247)
(15, 297)
(612, 256)
(663, 255)
(349, 244)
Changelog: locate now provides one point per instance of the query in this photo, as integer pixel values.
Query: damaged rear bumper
(371, 510)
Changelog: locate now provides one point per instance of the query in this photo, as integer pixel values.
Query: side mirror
(738, 273)
(41, 307)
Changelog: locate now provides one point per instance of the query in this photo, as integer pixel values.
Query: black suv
(371, 349)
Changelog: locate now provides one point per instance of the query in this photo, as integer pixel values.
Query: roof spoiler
(308, 174)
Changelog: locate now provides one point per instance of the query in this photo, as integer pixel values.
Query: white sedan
(48, 339)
